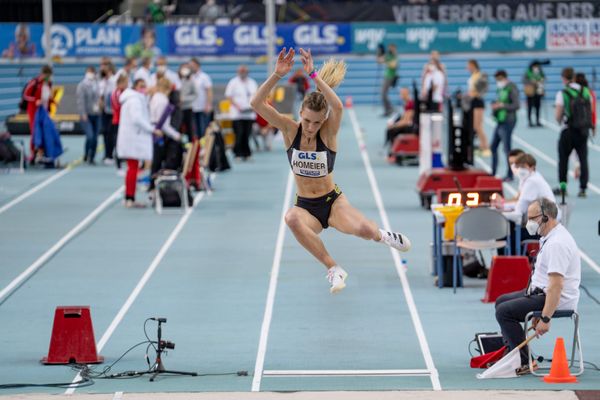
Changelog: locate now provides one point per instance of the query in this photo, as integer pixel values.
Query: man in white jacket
(134, 140)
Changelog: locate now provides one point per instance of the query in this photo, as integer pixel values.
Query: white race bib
(311, 164)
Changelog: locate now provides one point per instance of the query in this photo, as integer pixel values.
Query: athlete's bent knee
(293, 220)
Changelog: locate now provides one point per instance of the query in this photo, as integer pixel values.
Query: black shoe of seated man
(582, 194)
(539, 125)
(525, 370)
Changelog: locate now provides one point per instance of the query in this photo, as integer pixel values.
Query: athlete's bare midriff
(314, 187)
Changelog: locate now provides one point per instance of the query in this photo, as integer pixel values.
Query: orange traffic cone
(559, 370)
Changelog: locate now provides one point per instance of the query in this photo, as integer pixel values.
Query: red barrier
(72, 338)
(507, 274)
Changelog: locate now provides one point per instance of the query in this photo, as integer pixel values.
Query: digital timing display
(469, 198)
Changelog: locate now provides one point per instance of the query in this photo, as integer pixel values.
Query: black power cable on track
(89, 374)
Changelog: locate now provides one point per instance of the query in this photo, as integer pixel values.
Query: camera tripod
(158, 367)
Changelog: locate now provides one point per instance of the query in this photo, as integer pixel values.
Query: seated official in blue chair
(554, 284)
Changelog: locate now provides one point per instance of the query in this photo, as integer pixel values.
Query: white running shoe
(337, 277)
(396, 240)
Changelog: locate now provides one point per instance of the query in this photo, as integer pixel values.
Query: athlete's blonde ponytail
(333, 72)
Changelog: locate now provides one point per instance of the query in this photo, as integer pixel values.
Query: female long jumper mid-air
(311, 149)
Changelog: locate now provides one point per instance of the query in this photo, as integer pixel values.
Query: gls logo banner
(320, 38)
(250, 35)
(70, 40)
(250, 39)
(195, 39)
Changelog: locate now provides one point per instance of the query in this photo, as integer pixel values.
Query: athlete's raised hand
(285, 62)
(307, 60)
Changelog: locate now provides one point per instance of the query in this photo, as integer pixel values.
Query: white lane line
(35, 189)
(118, 396)
(543, 156)
(589, 261)
(266, 324)
(142, 282)
(435, 380)
(513, 191)
(37, 264)
(346, 372)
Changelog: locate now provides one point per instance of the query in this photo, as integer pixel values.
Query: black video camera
(165, 344)
(541, 62)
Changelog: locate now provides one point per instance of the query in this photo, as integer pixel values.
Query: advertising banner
(251, 39)
(573, 34)
(425, 12)
(93, 40)
(494, 37)
(320, 38)
(67, 40)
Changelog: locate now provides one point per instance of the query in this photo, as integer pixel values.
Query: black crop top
(310, 164)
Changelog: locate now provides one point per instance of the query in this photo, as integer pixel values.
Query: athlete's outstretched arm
(259, 103)
(334, 102)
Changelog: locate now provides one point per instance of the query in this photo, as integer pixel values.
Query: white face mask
(185, 72)
(523, 173)
(501, 84)
(536, 69)
(532, 227)
(89, 75)
(161, 68)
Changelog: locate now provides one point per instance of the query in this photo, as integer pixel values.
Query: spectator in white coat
(239, 92)
(134, 140)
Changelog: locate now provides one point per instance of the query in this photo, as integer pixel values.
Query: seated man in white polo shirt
(554, 284)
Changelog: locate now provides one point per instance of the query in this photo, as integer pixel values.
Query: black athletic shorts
(319, 207)
(477, 102)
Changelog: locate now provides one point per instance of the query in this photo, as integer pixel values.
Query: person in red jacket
(38, 92)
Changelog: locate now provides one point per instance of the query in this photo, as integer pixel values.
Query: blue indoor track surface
(209, 273)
